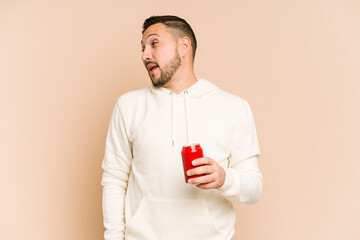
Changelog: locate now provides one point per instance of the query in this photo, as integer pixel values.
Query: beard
(167, 73)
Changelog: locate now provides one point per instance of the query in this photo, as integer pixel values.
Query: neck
(181, 81)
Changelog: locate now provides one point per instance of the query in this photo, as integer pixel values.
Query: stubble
(167, 73)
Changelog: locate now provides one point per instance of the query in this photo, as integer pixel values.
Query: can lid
(191, 145)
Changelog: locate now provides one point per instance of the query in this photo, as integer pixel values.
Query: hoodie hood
(201, 89)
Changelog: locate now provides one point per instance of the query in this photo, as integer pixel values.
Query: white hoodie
(144, 192)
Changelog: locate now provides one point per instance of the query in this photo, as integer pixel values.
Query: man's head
(178, 27)
(168, 48)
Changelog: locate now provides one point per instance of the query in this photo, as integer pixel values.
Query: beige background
(64, 63)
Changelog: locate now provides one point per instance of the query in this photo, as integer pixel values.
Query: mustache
(148, 62)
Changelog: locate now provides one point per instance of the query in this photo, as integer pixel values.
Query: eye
(154, 43)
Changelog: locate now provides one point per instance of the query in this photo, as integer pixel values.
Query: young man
(144, 192)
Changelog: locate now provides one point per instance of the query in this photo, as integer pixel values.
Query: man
(144, 192)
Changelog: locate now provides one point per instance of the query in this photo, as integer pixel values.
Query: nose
(146, 55)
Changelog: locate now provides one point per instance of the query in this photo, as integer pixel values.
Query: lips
(151, 67)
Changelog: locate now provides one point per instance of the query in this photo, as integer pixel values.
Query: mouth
(151, 67)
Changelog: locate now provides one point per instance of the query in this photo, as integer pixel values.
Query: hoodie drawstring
(172, 119)
(186, 118)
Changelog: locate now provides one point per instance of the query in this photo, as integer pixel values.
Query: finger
(204, 169)
(202, 180)
(211, 185)
(202, 161)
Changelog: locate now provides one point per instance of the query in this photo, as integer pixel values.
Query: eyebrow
(152, 34)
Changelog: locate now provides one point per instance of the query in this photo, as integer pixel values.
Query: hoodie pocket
(172, 219)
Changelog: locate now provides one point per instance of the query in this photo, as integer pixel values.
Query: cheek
(164, 56)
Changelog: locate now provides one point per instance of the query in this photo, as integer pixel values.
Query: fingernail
(193, 163)
(188, 173)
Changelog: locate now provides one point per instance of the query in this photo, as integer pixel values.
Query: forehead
(158, 29)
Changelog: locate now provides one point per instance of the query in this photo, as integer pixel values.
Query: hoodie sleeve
(116, 165)
(243, 181)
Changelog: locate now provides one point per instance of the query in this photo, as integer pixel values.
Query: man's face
(160, 55)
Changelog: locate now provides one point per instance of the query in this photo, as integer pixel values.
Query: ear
(184, 46)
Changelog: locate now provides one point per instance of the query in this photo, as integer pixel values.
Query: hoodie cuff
(230, 179)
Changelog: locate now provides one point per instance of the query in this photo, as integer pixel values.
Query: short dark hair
(176, 23)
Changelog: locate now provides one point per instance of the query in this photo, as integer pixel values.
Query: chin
(156, 83)
(159, 83)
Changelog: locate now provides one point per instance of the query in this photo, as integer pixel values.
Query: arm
(242, 180)
(116, 165)
(240, 183)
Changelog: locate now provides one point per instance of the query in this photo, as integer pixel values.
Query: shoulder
(229, 100)
(232, 98)
(132, 98)
(133, 95)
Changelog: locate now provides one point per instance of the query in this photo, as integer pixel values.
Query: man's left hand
(215, 174)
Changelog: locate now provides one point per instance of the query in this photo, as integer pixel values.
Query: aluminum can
(190, 153)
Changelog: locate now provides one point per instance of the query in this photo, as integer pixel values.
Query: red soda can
(190, 153)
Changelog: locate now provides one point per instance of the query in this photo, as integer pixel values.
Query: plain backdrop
(63, 64)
